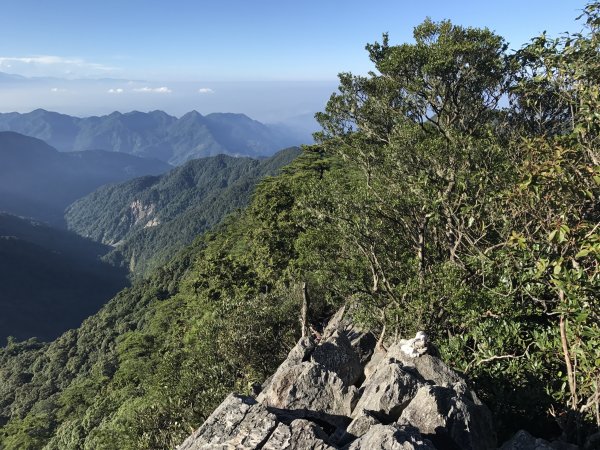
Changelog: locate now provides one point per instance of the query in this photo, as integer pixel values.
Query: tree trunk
(567, 356)
(304, 312)
(421, 246)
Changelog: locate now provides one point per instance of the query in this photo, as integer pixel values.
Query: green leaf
(582, 253)
(557, 268)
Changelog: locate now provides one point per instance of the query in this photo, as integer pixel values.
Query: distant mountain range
(50, 280)
(38, 181)
(156, 134)
(148, 219)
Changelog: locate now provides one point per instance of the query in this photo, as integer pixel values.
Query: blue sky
(210, 47)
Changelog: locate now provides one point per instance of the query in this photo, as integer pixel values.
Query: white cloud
(115, 91)
(51, 66)
(205, 91)
(158, 90)
(55, 89)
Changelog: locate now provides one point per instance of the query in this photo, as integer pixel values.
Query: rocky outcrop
(340, 392)
(140, 212)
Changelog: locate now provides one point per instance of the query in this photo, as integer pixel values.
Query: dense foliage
(477, 223)
(149, 219)
(426, 203)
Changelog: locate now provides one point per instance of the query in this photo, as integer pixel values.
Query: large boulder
(335, 353)
(363, 342)
(239, 422)
(450, 418)
(311, 389)
(388, 391)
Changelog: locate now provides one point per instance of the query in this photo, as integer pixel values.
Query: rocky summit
(343, 391)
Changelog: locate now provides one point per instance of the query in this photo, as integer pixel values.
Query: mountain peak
(39, 111)
(192, 114)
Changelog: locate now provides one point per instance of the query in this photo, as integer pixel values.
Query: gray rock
(298, 354)
(379, 354)
(363, 343)
(430, 367)
(388, 391)
(522, 440)
(311, 402)
(450, 419)
(335, 353)
(336, 323)
(391, 437)
(299, 435)
(239, 422)
(361, 424)
(310, 388)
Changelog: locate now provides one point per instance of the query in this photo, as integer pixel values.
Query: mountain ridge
(154, 133)
(38, 181)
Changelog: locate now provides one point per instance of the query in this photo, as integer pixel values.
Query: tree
(422, 152)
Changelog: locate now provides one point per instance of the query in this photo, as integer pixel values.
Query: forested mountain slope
(50, 280)
(39, 182)
(154, 134)
(426, 205)
(148, 219)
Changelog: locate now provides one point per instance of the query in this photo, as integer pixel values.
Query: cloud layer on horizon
(54, 66)
(264, 101)
(157, 90)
